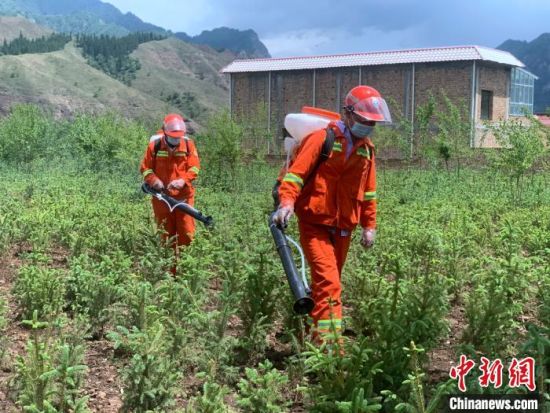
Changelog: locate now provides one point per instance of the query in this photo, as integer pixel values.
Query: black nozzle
(303, 304)
(208, 221)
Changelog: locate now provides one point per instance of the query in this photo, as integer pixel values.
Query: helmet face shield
(374, 109)
(174, 126)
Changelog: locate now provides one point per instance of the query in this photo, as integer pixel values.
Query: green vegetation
(66, 83)
(49, 375)
(184, 74)
(186, 102)
(82, 16)
(446, 243)
(112, 54)
(44, 44)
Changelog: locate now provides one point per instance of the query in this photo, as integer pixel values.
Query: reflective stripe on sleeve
(369, 196)
(147, 172)
(194, 169)
(364, 152)
(295, 179)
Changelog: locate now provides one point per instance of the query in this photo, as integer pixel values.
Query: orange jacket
(342, 193)
(168, 165)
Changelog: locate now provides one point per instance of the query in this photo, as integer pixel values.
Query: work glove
(283, 214)
(176, 184)
(367, 237)
(157, 185)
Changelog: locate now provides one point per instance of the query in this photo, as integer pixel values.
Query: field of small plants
(91, 319)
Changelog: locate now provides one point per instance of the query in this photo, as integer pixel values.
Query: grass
(200, 341)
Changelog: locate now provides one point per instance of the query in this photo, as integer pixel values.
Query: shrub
(262, 390)
(40, 289)
(26, 134)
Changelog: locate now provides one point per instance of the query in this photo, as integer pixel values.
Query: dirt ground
(103, 385)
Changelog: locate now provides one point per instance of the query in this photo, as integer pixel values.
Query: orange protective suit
(168, 165)
(329, 203)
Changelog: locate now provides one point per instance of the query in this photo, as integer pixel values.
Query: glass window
(521, 92)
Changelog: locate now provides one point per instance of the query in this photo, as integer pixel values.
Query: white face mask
(172, 141)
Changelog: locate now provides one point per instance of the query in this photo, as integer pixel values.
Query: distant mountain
(244, 43)
(96, 17)
(174, 77)
(12, 27)
(78, 16)
(536, 56)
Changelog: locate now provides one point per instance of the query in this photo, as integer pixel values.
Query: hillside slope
(173, 66)
(101, 17)
(65, 83)
(12, 26)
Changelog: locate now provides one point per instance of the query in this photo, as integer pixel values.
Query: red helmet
(366, 102)
(174, 125)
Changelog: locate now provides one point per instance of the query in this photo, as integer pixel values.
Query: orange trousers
(175, 223)
(326, 250)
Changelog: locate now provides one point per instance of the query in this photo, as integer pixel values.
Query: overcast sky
(295, 28)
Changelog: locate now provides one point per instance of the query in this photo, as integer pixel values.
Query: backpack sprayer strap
(326, 150)
(158, 144)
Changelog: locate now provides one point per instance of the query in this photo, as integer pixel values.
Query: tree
(523, 144)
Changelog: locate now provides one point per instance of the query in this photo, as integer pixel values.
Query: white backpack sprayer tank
(298, 126)
(301, 125)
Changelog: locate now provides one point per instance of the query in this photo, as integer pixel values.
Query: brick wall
(496, 80)
(393, 83)
(325, 89)
(452, 78)
(290, 90)
(249, 92)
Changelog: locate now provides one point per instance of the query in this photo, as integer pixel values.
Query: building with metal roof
(492, 84)
(392, 57)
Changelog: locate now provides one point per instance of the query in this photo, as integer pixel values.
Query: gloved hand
(367, 237)
(157, 185)
(283, 214)
(176, 184)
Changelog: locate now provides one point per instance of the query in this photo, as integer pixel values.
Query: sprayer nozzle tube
(303, 304)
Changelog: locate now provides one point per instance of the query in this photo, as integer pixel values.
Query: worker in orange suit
(171, 164)
(331, 198)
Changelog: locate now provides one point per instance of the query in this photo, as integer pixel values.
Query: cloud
(317, 41)
(290, 27)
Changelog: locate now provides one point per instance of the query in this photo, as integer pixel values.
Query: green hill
(78, 16)
(173, 66)
(12, 26)
(174, 76)
(98, 17)
(63, 82)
